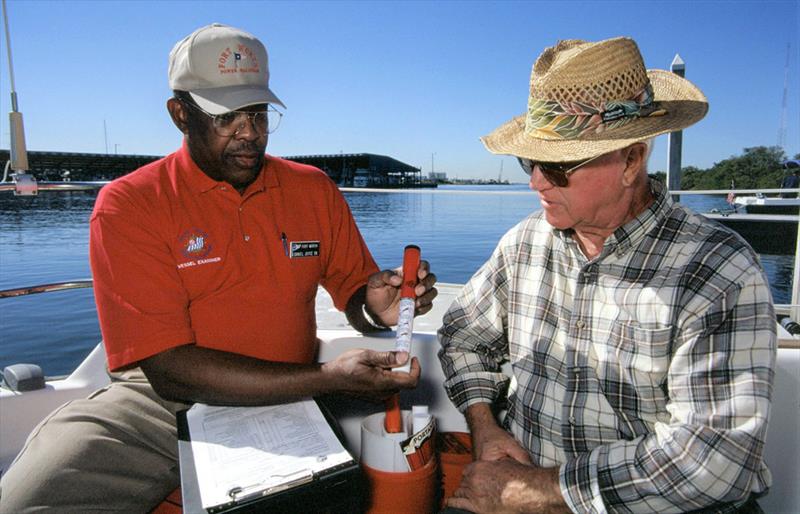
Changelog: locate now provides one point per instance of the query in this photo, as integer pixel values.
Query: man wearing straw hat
(639, 336)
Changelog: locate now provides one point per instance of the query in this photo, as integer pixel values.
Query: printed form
(241, 452)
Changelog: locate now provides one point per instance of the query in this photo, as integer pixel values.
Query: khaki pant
(116, 450)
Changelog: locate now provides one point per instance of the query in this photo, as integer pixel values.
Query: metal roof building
(353, 169)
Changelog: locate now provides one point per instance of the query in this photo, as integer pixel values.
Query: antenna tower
(782, 128)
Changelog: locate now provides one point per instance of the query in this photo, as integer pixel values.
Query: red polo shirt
(179, 258)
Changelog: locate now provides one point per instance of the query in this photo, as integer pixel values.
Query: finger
(519, 455)
(427, 297)
(381, 359)
(425, 285)
(423, 270)
(410, 379)
(400, 358)
(416, 369)
(384, 277)
(460, 503)
(423, 309)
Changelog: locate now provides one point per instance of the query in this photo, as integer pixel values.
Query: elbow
(165, 388)
(164, 377)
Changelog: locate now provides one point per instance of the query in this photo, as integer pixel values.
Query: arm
(474, 344)
(192, 373)
(719, 387)
(473, 338)
(351, 280)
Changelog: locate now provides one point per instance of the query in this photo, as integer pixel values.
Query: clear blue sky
(405, 79)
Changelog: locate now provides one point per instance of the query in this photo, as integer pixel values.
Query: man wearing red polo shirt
(206, 266)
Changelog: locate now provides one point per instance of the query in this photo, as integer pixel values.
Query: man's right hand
(489, 440)
(368, 374)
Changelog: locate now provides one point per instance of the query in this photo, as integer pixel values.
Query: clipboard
(335, 488)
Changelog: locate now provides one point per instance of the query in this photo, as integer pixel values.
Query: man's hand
(489, 440)
(494, 443)
(506, 486)
(383, 293)
(368, 374)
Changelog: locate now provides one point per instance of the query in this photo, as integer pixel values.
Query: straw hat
(587, 99)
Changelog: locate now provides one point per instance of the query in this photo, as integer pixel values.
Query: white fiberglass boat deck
(20, 412)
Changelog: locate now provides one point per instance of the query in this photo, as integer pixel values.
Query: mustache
(246, 148)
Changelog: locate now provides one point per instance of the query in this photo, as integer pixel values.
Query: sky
(418, 81)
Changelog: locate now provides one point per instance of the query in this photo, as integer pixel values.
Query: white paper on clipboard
(242, 451)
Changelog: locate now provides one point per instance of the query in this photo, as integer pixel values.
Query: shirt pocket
(637, 370)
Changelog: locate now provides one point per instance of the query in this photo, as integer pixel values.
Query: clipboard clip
(256, 490)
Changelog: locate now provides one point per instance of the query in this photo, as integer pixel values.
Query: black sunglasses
(557, 173)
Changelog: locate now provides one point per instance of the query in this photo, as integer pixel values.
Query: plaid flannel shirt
(645, 373)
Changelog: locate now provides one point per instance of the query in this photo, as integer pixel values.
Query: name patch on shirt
(304, 249)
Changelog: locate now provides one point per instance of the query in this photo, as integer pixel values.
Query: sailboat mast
(19, 154)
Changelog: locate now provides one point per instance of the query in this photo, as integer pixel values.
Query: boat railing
(97, 184)
(734, 191)
(46, 288)
(27, 188)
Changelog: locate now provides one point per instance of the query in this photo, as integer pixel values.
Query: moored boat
(760, 204)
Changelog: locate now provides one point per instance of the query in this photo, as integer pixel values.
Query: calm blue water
(45, 238)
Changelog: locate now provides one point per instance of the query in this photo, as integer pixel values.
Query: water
(45, 239)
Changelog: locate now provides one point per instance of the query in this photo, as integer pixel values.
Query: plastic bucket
(413, 492)
(455, 452)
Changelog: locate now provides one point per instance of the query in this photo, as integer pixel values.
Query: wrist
(371, 319)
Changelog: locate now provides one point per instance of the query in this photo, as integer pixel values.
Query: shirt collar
(635, 230)
(199, 182)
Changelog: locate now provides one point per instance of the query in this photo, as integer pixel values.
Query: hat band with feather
(548, 119)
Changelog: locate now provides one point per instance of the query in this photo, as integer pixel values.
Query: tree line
(759, 167)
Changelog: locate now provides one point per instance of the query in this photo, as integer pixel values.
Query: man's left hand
(383, 293)
(506, 486)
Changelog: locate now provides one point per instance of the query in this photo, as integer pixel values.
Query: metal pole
(794, 312)
(675, 140)
(19, 154)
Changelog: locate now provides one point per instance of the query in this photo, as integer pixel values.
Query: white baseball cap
(223, 68)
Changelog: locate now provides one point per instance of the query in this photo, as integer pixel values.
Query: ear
(635, 160)
(179, 114)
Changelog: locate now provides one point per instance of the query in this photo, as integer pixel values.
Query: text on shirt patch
(304, 249)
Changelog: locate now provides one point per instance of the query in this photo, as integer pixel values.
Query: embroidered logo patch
(303, 249)
(239, 60)
(194, 244)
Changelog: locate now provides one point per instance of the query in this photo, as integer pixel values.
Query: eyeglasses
(557, 173)
(230, 123)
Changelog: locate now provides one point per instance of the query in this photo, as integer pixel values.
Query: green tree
(758, 167)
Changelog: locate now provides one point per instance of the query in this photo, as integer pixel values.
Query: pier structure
(350, 170)
(80, 167)
(365, 170)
